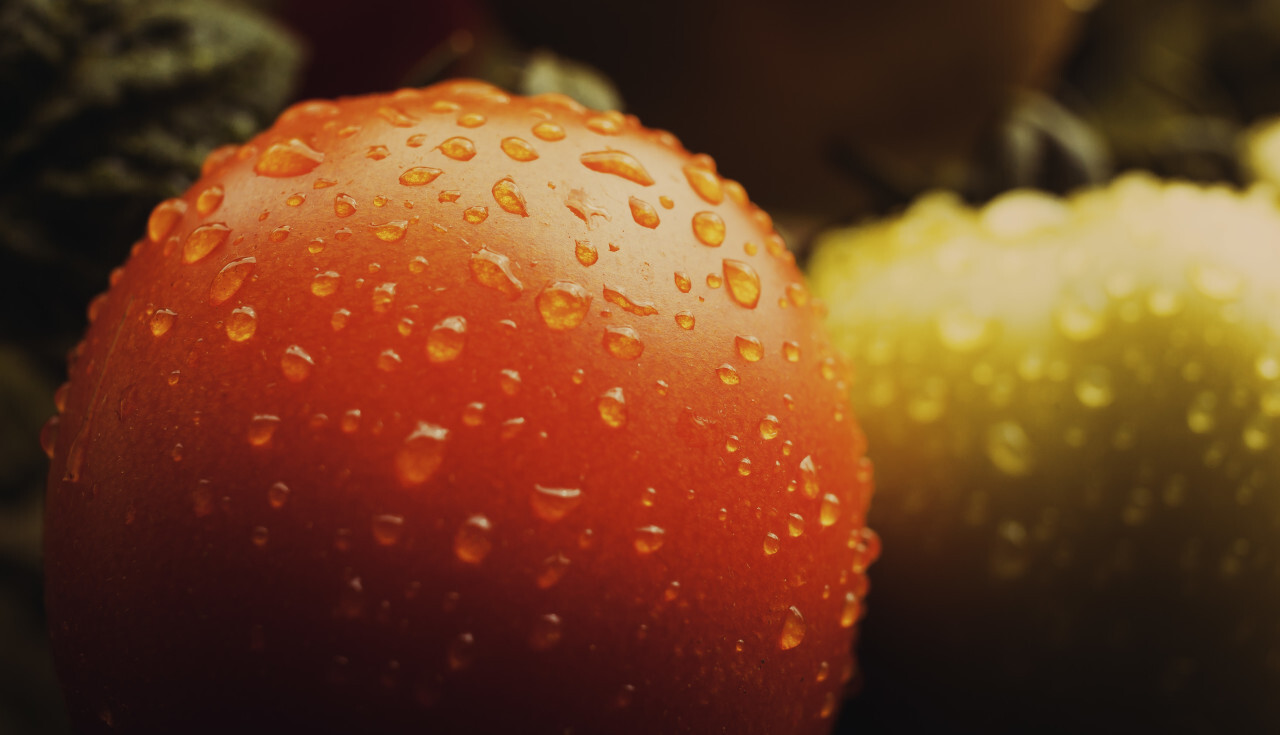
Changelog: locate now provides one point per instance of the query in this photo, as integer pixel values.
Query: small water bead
(609, 123)
(612, 406)
(448, 197)
(350, 423)
(419, 176)
(161, 322)
(585, 252)
(649, 539)
(387, 529)
(459, 149)
(242, 323)
(743, 281)
(617, 163)
(494, 270)
(563, 305)
(471, 120)
(623, 342)
(278, 495)
(769, 427)
(797, 294)
(509, 197)
(384, 296)
(518, 150)
(229, 280)
(618, 297)
(683, 283)
(795, 525)
(829, 702)
(708, 227)
(685, 319)
(389, 361)
(472, 543)
(262, 427)
(552, 571)
(421, 454)
(204, 240)
(461, 651)
(344, 205)
(554, 503)
(323, 183)
(509, 382)
(291, 158)
(714, 280)
(296, 364)
(850, 610)
(279, 234)
(377, 152)
(772, 544)
(446, 340)
(744, 467)
(392, 231)
(296, 200)
(210, 199)
(793, 629)
(417, 140)
(643, 213)
(728, 375)
(316, 246)
(578, 376)
(809, 477)
(339, 319)
(546, 632)
(750, 348)
(704, 182)
(829, 511)
(396, 117)
(164, 218)
(548, 131)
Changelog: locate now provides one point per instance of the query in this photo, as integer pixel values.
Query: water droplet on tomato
(162, 321)
(829, 511)
(643, 213)
(210, 199)
(421, 454)
(750, 348)
(552, 571)
(793, 629)
(387, 529)
(472, 543)
(262, 428)
(728, 375)
(683, 283)
(623, 342)
(744, 283)
(772, 544)
(612, 406)
(617, 163)
(344, 205)
(769, 427)
(508, 196)
(278, 495)
(548, 131)
(708, 227)
(546, 632)
(229, 280)
(649, 539)
(296, 364)
(292, 158)
(204, 240)
(446, 340)
(459, 148)
(553, 503)
(494, 270)
(164, 218)
(585, 252)
(325, 284)
(241, 324)
(391, 231)
(419, 176)
(563, 305)
(685, 319)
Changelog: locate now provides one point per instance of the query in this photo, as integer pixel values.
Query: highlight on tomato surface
(449, 409)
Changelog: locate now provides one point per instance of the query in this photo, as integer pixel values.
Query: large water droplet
(384, 297)
(229, 280)
(829, 511)
(518, 149)
(643, 213)
(728, 375)
(649, 539)
(618, 164)
(793, 629)
(508, 196)
(705, 182)
(164, 218)
(419, 176)
(585, 252)
(750, 348)
(204, 240)
(708, 227)
(554, 503)
(162, 321)
(685, 319)
(282, 160)
(494, 270)
(421, 454)
(210, 199)
(344, 205)
(612, 406)
(563, 305)
(769, 427)
(296, 364)
(446, 340)
(623, 342)
(459, 148)
(262, 428)
(472, 543)
(744, 283)
(325, 284)
(242, 323)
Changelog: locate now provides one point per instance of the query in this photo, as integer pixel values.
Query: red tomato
(452, 411)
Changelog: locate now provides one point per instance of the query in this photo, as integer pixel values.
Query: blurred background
(828, 112)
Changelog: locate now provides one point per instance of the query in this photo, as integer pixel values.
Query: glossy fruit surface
(449, 410)
(1073, 408)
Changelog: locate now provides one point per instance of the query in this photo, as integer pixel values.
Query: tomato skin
(259, 518)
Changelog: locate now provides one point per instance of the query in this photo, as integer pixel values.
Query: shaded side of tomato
(452, 409)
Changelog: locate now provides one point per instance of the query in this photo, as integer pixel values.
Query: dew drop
(384, 296)
(618, 164)
(683, 283)
(296, 200)
(164, 218)
(518, 150)
(242, 323)
(809, 476)
(296, 364)
(509, 382)
(769, 427)
(708, 227)
(772, 544)
(850, 611)
(387, 529)
(204, 240)
(744, 467)
(396, 117)
(494, 270)
(649, 539)
(325, 284)
(280, 234)
(459, 149)
(508, 196)
(391, 231)
(554, 503)
(728, 375)
(472, 543)
(829, 511)
(446, 340)
(623, 342)
(563, 305)
(744, 283)
(750, 348)
(685, 319)
(791, 351)
(618, 297)
(612, 406)
(643, 213)
(282, 160)
(704, 182)
(162, 321)
(548, 131)
(585, 252)
(714, 280)
(210, 199)
(421, 454)
(419, 176)
(473, 414)
(793, 629)
(229, 280)
(344, 205)
(262, 428)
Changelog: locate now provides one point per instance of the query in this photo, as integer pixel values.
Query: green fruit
(1072, 406)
